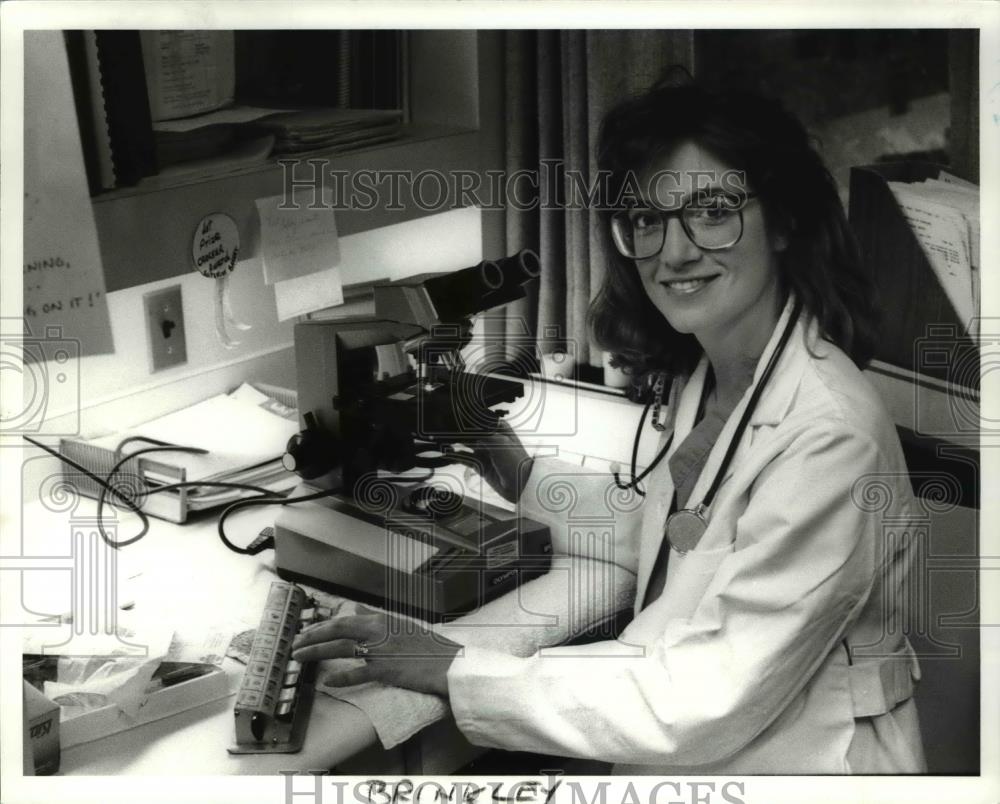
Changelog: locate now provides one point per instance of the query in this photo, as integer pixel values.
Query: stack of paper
(245, 433)
(332, 129)
(221, 140)
(944, 215)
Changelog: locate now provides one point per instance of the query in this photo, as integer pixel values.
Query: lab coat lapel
(660, 484)
(771, 409)
(780, 393)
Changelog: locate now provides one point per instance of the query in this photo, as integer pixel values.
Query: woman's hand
(500, 459)
(397, 652)
(506, 464)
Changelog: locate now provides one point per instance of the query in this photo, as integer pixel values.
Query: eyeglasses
(712, 224)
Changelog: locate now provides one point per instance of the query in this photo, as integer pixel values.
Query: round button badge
(216, 245)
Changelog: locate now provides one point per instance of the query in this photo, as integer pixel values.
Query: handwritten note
(63, 276)
(215, 246)
(298, 241)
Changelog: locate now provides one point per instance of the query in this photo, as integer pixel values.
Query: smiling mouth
(685, 287)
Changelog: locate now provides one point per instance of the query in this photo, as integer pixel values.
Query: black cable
(222, 484)
(64, 458)
(232, 508)
(170, 487)
(103, 484)
(146, 440)
(107, 486)
(266, 496)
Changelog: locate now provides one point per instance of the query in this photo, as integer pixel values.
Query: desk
(186, 571)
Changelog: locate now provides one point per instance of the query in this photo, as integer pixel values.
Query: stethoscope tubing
(733, 442)
(758, 391)
(634, 483)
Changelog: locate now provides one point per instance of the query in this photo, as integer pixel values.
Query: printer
(385, 405)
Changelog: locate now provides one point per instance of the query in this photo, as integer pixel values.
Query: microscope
(380, 398)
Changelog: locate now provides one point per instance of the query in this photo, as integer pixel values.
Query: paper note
(64, 297)
(188, 72)
(391, 252)
(963, 197)
(307, 294)
(298, 241)
(944, 235)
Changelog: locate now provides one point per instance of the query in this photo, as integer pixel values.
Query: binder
(921, 330)
(92, 120)
(112, 107)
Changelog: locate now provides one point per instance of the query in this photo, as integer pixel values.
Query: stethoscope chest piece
(686, 527)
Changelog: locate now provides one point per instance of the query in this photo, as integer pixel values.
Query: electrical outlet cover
(165, 327)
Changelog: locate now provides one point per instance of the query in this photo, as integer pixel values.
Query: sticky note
(306, 294)
(296, 239)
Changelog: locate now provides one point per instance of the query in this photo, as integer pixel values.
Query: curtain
(558, 86)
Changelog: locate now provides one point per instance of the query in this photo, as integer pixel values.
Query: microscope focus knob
(310, 453)
(290, 459)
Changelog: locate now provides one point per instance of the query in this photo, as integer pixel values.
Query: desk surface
(179, 574)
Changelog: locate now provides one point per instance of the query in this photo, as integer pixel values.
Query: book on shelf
(112, 107)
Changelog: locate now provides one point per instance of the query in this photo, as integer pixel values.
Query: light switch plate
(165, 328)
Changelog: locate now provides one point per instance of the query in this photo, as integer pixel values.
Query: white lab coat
(740, 666)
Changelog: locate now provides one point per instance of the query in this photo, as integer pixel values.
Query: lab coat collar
(774, 403)
(780, 392)
(772, 407)
(778, 396)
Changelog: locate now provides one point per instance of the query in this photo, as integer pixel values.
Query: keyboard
(275, 697)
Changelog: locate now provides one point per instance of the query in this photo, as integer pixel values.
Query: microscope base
(411, 564)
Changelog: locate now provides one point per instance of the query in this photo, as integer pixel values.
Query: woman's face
(710, 294)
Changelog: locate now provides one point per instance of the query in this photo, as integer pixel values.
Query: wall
(118, 390)
(103, 378)
(114, 391)
(441, 242)
(446, 241)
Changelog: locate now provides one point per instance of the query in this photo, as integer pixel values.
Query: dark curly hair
(757, 135)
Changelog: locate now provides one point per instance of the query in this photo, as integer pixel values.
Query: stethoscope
(684, 528)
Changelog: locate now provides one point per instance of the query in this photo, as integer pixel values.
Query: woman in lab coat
(769, 640)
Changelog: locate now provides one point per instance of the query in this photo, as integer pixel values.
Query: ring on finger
(361, 649)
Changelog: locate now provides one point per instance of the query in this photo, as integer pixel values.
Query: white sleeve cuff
(478, 713)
